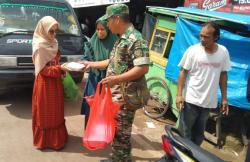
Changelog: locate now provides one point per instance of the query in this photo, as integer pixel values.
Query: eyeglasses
(52, 31)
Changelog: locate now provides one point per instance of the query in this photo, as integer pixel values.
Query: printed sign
(213, 5)
(87, 3)
(241, 2)
(19, 41)
(236, 6)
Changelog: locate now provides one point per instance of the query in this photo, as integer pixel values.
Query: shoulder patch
(132, 37)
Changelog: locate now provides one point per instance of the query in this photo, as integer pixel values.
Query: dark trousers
(193, 121)
(248, 153)
(121, 146)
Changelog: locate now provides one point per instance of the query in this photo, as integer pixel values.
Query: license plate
(8, 62)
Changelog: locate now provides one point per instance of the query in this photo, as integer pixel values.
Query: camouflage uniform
(129, 51)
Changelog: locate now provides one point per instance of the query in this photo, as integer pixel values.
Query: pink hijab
(43, 48)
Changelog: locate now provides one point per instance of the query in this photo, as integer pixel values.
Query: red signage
(236, 6)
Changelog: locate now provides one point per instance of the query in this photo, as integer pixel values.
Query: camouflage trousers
(121, 146)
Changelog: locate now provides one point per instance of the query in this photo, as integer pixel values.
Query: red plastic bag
(101, 126)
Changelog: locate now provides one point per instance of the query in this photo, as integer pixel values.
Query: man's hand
(95, 64)
(181, 83)
(111, 80)
(224, 107)
(179, 102)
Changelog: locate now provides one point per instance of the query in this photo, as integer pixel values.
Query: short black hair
(215, 26)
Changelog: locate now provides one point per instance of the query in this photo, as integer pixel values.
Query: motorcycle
(179, 149)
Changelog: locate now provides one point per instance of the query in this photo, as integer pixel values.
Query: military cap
(116, 9)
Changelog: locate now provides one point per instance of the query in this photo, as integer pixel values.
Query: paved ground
(232, 151)
(16, 136)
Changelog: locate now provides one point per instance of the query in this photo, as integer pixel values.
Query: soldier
(128, 63)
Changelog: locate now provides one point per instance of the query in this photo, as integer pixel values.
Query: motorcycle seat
(189, 148)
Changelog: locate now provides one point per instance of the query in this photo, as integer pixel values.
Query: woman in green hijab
(97, 49)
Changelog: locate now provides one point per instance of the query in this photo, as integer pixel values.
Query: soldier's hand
(110, 80)
(179, 102)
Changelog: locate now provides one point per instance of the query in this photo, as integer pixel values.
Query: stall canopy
(187, 34)
(231, 17)
(88, 3)
(191, 13)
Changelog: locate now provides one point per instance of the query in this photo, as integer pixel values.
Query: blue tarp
(187, 33)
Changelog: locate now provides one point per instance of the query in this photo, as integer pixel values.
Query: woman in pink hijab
(48, 123)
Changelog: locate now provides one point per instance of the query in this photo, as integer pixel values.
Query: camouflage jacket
(128, 51)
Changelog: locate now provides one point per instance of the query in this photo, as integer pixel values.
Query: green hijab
(102, 47)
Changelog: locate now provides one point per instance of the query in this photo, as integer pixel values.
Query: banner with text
(235, 6)
(88, 3)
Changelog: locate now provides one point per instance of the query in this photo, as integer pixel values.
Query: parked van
(18, 19)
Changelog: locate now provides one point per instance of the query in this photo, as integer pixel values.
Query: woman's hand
(64, 68)
(86, 64)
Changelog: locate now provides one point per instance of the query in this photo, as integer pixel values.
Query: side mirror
(85, 29)
(85, 38)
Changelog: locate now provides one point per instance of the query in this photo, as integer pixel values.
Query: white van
(18, 19)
